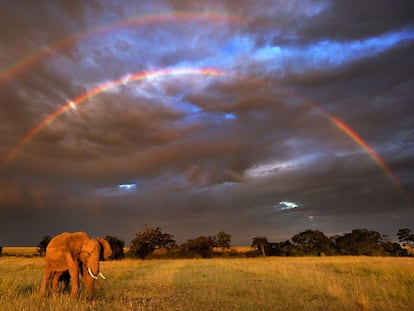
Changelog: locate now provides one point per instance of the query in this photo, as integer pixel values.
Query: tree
(167, 241)
(42, 245)
(201, 246)
(261, 243)
(148, 240)
(286, 249)
(117, 247)
(393, 249)
(313, 242)
(360, 242)
(223, 239)
(406, 237)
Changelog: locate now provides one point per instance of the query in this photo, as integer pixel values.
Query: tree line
(356, 243)
(152, 242)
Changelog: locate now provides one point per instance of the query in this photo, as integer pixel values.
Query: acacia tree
(262, 244)
(360, 242)
(406, 237)
(313, 242)
(223, 239)
(147, 240)
(201, 246)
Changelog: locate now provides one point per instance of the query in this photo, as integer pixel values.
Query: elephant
(71, 254)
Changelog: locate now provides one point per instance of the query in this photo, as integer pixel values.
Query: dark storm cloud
(207, 153)
(374, 83)
(347, 20)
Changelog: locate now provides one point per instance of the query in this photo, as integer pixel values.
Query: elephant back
(71, 242)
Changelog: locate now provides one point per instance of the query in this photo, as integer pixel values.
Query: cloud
(207, 153)
(343, 20)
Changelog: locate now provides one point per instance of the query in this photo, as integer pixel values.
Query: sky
(258, 118)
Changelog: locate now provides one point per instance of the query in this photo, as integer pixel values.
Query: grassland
(20, 251)
(305, 283)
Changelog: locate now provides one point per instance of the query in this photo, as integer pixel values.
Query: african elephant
(69, 254)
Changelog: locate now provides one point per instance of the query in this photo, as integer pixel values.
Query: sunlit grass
(20, 251)
(305, 283)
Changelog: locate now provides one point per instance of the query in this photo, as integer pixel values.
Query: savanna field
(273, 283)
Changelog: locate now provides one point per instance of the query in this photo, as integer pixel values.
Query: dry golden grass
(306, 283)
(237, 249)
(20, 251)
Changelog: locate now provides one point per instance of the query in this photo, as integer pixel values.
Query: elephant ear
(106, 250)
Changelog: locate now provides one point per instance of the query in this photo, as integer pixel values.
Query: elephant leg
(60, 276)
(46, 278)
(73, 267)
(74, 281)
(55, 281)
(65, 278)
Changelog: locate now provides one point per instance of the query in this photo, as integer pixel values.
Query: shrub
(117, 247)
(44, 242)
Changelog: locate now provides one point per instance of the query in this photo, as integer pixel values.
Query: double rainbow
(32, 58)
(71, 104)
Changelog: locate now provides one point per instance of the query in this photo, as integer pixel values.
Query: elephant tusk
(92, 275)
(102, 276)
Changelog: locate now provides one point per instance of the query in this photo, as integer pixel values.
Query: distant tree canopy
(312, 242)
(360, 242)
(42, 245)
(147, 240)
(117, 247)
(315, 242)
(201, 246)
(406, 237)
(223, 239)
(262, 245)
(306, 243)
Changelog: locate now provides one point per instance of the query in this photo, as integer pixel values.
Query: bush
(199, 247)
(117, 247)
(150, 239)
(44, 242)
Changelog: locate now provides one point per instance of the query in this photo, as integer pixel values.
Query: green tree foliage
(42, 245)
(117, 247)
(393, 249)
(312, 242)
(199, 247)
(406, 237)
(285, 249)
(147, 240)
(262, 244)
(360, 242)
(223, 239)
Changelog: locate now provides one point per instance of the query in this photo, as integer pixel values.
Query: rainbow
(359, 141)
(368, 149)
(71, 104)
(32, 58)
